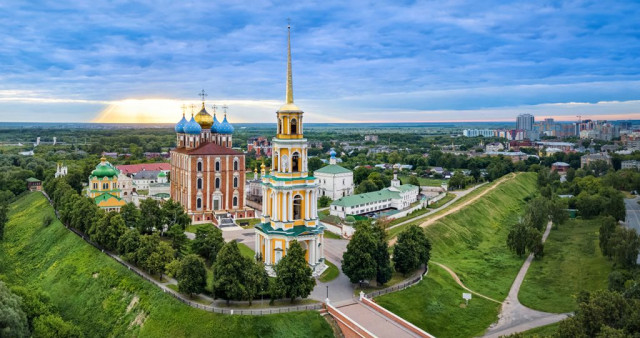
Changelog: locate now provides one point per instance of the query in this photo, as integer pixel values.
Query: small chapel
(289, 193)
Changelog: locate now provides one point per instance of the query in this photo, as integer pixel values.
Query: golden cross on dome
(215, 108)
(225, 107)
(193, 108)
(202, 94)
(184, 109)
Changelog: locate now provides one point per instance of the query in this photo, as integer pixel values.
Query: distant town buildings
(560, 167)
(333, 180)
(631, 164)
(371, 138)
(585, 160)
(514, 156)
(260, 145)
(493, 147)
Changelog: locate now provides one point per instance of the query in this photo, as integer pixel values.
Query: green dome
(162, 174)
(104, 169)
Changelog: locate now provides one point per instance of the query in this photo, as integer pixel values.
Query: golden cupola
(204, 119)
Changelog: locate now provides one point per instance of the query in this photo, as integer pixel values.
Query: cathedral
(207, 174)
(289, 193)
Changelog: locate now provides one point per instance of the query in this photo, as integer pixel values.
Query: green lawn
(329, 234)
(330, 273)
(572, 262)
(246, 251)
(194, 227)
(436, 306)
(93, 291)
(432, 182)
(443, 201)
(252, 222)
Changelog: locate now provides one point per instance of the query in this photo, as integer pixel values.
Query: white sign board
(466, 296)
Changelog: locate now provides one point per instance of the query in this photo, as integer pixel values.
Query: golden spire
(289, 98)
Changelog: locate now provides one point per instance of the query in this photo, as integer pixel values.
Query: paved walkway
(374, 321)
(516, 317)
(633, 215)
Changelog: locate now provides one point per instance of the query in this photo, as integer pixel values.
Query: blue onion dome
(225, 127)
(332, 153)
(192, 127)
(216, 124)
(181, 124)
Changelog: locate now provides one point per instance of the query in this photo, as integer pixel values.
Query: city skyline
(423, 62)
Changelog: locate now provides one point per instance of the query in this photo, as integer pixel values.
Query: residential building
(560, 167)
(494, 146)
(395, 197)
(585, 160)
(631, 164)
(371, 138)
(525, 122)
(513, 156)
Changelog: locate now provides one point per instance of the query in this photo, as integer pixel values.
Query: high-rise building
(290, 194)
(525, 122)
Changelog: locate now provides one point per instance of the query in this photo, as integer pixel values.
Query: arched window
(279, 126)
(235, 182)
(235, 164)
(199, 203)
(235, 201)
(294, 126)
(294, 162)
(217, 182)
(276, 162)
(199, 183)
(297, 207)
(218, 165)
(105, 186)
(199, 166)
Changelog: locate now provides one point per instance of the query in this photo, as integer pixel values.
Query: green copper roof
(298, 230)
(289, 178)
(162, 174)
(104, 169)
(375, 196)
(333, 169)
(32, 179)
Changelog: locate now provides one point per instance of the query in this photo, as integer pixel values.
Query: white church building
(333, 180)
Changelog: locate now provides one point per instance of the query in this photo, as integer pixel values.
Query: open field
(432, 182)
(572, 262)
(436, 305)
(105, 299)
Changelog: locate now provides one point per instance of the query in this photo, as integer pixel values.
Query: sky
(353, 61)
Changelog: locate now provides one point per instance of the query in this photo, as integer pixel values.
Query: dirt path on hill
(450, 211)
(457, 279)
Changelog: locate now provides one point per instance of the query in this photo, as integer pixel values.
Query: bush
(47, 220)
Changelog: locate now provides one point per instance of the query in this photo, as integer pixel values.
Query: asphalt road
(633, 215)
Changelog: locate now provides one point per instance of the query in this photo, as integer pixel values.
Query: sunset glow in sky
(77, 61)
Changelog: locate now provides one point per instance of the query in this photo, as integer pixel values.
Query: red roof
(127, 169)
(208, 149)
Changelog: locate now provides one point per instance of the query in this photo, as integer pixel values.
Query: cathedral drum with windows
(289, 194)
(207, 174)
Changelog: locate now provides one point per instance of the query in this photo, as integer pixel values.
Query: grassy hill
(472, 242)
(105, 299)
(572, 263)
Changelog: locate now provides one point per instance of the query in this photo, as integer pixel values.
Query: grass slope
(472, 241)
(436, 305)
(572, 262)
(105, 299)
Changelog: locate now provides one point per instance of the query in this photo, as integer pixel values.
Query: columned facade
(289, 194)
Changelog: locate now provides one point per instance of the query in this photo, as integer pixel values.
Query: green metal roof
(105, 197)
(32, 179)
(289, 178)
(333, 169)
(105, 169)
(298, 230)
(375, 196)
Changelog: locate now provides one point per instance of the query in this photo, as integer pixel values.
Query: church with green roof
(333, 180)
(103, 186)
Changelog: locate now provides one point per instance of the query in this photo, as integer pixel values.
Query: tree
(381, 253)
(414, 180)
(52, 325)
(607, 229)
(366, 186)
(358, 262)
(150, 216)
(537, 213)
(173, 214)
(523, 237)
(108, 230)
(128, 244)
(4, 217)
(228, 271)
(256, 279)
(412, 249)
(458, 180)
(314, 164)
(360, 174)
(191, 275)
(13, 320)
(558, 212)
(34, 302)
(589, 205)
(294, 276)
(178, 238)
(131, 215)
(624, 245)
(324, 201)
(208, 243)
(147, 246)
(159, 257)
